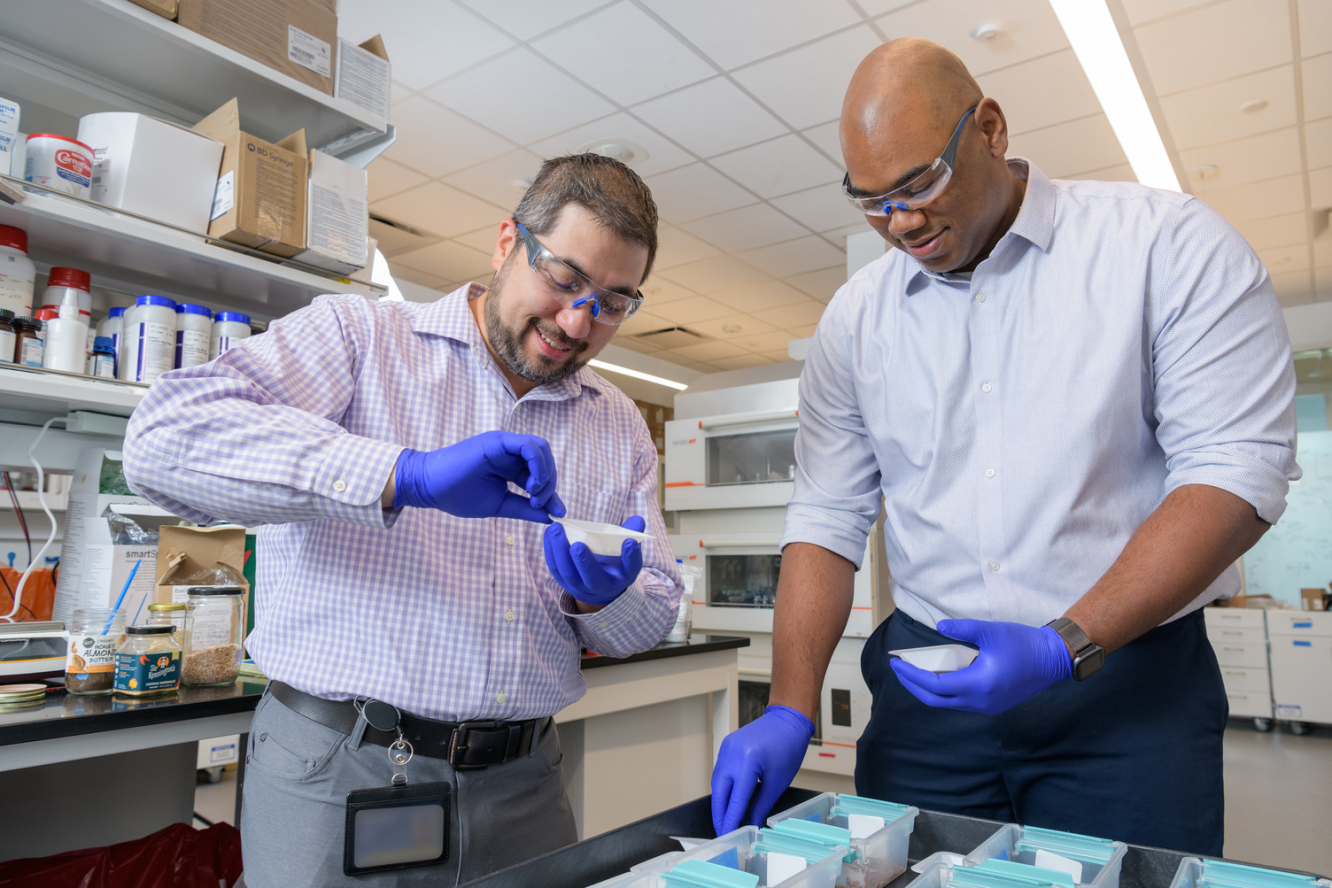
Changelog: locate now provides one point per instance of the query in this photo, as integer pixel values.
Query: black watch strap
(1088, 657)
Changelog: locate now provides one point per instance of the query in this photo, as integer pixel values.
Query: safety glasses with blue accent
(570, 287)
(918, 191)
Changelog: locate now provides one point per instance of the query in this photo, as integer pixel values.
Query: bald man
(1076, 400)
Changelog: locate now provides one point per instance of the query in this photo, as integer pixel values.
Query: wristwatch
(1088, 658)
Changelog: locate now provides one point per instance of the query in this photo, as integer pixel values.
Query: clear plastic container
(194, 332)
(1092, 862)
(229, 328)
(633, 880)
(878, 832)
(1195, 873)
(17, 273)
(748, 849)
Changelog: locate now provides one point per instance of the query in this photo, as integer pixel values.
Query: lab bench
(138, 758)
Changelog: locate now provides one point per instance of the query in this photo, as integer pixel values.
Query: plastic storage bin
(994, 874)
(879, 834)
(632, 880)
(1099, 859)
(747, 850)
(1195, 873)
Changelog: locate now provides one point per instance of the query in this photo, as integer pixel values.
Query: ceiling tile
(427, 41)
(491, 95)
(806, 85)
(386, 178)
(821, 209)
(1042, 92)
(635, 345)
(526, 19)
(676, 247)
(1120, 172)
(805, 332)
(778, 167)
(1318, 87)
(695, 191)
(435, 141)
(1277, 231)
(662, 154)
(704, 351)
(1293, 286)
(394, 240)
(724, 327)
(1286, 260)
(734, 33)
(495, 179)
(398, 92)
(753, 226)
(743, 362)
(1322, 251)
(1318, 143)
(1320, 188)
(449, 260)
(1323, 281)
(1073, 147)
(662, 291)
(795, 315)
(879, 7)
(822, 284)
(711, 117)
(1030, 29)
(623, 53)
(712, 275)
(825, 137)
(697, 308)
(1253, 159)
(643, 321)
(780, 356)
(1257, 200)
(1315, 27)
(795, 257)
(1215, 42)
(1212, 114)
(425, 279)
(1142, 11)
(483, 239)
(765, 342)
(439, 209)
(755, 297)
(1291, 301)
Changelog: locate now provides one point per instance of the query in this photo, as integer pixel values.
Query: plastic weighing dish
(878, 833)
(938, 657)
(1085, 861)
(602, 539)
(1195, 873)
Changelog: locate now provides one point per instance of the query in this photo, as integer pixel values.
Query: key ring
(395, 752)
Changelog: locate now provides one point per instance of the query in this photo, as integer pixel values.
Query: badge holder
(397, 826)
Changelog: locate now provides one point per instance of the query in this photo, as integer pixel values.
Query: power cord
(41, 499)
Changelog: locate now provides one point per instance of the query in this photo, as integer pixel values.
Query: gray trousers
(297, 776)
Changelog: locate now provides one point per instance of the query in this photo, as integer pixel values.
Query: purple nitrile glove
(470, 479)
(764, 754)
(1015, 662)
(593, 579)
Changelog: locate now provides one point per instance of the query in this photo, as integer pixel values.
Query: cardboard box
(184, 551)
(1313, 599)
(167, 9)
(364, 76)
(296, 37)
(338, 216)
(154, 168)
(9, 137)
(260, 197)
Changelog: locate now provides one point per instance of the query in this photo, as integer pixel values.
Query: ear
(507, 242)
(990, 119)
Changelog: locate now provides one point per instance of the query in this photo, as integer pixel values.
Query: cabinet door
(1251, 654)
(1302, 678)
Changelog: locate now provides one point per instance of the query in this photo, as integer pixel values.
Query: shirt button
(508, 540)
(603, 624)
(980, 297)
(509, 616)
(339, 485)
(994, 565)
(501, 697)
(989, 473)
(986, 387)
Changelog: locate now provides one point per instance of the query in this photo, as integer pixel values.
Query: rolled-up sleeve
(253, 437)
(1221, 364)
(837, 474)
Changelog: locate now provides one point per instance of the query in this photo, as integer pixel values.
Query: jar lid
(61, 138)
(182, 308)
(27, 323)
(116, 313)
(156, 300)
(46, 314)
(104, 345)
(233, 316)
(69, 277)
(150, 630)
(215, 590)
(15, 238)
(167, 606)
(6, 314)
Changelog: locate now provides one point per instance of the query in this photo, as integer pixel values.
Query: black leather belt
(464, 745)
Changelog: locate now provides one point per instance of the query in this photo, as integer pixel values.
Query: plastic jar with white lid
(59, 163)
(194, 332)
(148, 347)
(17, 273)
(65, 346)
(229, 328)
(63, 283)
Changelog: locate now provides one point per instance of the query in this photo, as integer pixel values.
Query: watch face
(1088, 664)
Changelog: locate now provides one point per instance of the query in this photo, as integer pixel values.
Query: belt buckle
(458, 745)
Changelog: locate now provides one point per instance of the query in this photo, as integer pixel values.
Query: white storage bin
(744, 850)
(879, 834)
(1195, 873)
(1098, 860)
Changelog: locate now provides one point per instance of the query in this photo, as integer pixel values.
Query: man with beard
(405, 590)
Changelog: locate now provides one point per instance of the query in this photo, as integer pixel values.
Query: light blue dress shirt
(1118, 343)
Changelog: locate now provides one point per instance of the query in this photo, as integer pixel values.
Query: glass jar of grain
(213, 636)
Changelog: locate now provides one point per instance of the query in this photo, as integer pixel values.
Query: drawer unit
(1220, 635)
(1302, 665)
(1239, 679)
(1229, 617)
(1305, 624)
(1248, 654)
(1250, 704)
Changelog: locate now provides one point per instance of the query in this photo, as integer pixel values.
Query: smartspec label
(147, 673)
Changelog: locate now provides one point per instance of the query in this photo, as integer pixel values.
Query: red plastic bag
(176, 857)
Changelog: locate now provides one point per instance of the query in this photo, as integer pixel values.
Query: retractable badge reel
(397, 826)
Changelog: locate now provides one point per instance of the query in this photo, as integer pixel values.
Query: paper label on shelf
(783, 866)
(1049, 860)
(363, 79)
(101, 173)
(224, 198)
(309, 51)
(863, 826)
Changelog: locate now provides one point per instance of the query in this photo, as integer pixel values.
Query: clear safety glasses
(916, 193)
(571, 287)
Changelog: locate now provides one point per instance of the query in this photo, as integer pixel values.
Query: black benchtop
(62, 714)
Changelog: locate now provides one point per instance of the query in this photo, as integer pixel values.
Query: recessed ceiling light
(986, 33)
(1204, 171)
(1254, 107)
(731, 328)
(623, 150)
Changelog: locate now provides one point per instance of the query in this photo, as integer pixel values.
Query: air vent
(670, 337)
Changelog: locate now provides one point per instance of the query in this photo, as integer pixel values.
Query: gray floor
(1278, 798)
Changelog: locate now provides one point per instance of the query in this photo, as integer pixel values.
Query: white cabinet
(1302, 665)
(1239, 638)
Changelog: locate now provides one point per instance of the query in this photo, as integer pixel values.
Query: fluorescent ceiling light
(1095, 39)
(616, 368)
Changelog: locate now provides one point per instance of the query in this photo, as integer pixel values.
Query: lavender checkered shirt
(444, 617)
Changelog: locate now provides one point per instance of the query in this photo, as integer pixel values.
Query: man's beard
(507, 343)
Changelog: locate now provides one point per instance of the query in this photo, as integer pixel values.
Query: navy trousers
(1132, 754)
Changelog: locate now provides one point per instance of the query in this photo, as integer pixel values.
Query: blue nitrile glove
(470, 479)
(593, 579)
(1015, 662)
(766, 753)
